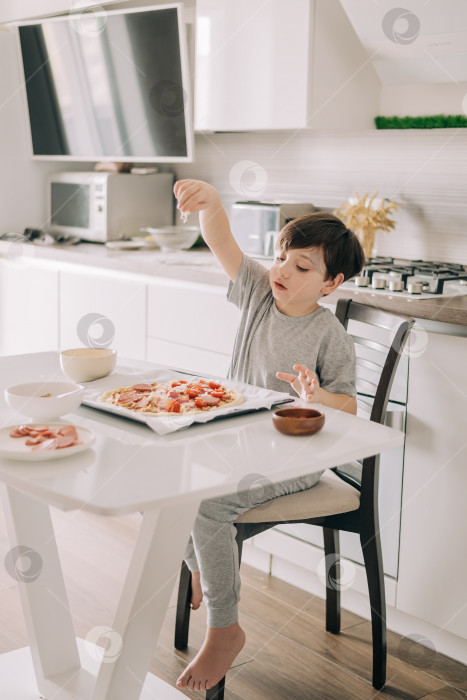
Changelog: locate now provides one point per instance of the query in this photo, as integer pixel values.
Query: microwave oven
(101, 206)
(256, 225)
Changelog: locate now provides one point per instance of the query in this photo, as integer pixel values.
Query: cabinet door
(103, 310)
(28, 307)
(252, 63)
(433, 562)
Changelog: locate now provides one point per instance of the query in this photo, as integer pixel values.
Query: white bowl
(44, 400)
(170, 238)
(87, 364)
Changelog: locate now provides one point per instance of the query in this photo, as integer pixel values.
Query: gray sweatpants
(212, 549)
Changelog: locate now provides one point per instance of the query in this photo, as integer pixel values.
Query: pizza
(178, 396)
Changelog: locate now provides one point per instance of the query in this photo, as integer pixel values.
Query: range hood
(421, 42)
(17, 10)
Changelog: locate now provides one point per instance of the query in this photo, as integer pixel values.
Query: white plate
(14, 448)
(134, 244)
(125, 245)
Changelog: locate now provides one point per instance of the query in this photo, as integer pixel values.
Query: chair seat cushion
(329, 496)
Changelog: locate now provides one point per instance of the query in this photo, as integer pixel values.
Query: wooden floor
(288, 655)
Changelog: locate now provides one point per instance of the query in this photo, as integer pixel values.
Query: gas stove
(410, 278)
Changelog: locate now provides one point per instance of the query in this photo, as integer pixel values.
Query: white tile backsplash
(424, 170)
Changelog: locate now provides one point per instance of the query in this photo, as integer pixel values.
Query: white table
(130, 469)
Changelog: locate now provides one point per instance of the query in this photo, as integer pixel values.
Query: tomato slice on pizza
(175, 396)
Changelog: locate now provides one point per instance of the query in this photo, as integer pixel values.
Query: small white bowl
(87, 364)
(170, 238)
(44, 400)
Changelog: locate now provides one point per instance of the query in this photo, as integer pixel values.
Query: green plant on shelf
(434, 121)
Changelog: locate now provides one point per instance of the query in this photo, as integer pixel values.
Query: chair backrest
(380, 338)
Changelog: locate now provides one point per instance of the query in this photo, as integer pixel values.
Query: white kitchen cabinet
(103, 309)
(28, 303)
(191, 326)
(246, 77)
(280, 65)
(433, 564)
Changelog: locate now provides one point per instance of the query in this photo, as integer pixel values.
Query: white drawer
(188, 358)
(198, 317)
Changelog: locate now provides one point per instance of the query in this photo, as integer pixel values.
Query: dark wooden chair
(345, 498)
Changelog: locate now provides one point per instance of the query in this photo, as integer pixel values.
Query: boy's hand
(305, 383)
(195, 195)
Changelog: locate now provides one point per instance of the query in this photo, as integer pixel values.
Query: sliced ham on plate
(45, 437)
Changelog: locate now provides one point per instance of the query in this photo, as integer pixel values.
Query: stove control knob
(396, 285)
(415, 288)
(361, 281)
(378, 283)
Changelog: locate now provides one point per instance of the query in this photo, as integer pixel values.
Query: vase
(367, 235)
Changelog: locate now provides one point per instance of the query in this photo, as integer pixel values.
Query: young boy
(282, 327)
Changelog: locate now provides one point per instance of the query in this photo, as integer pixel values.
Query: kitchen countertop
(195, 265)
(442, 309)
(198, 265)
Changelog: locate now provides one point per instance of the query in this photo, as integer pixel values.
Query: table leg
(143, 604)
(41, 586)
(151, 576)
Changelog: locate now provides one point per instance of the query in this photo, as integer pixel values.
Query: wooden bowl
(298, 421)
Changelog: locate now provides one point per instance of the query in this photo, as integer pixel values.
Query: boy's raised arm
(194, 195)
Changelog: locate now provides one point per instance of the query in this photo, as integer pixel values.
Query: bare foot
(221, 646)
(196, 590)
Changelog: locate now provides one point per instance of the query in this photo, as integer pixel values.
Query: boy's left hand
(305, 383)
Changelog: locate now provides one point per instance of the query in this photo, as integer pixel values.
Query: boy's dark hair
(342, 251)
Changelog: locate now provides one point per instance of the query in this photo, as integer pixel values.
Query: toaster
(256, 225)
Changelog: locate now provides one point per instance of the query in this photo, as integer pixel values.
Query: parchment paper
(255, 399)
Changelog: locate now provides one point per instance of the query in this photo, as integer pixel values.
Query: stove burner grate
(414, 274)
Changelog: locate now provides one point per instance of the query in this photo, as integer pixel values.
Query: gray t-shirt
(268, 341)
